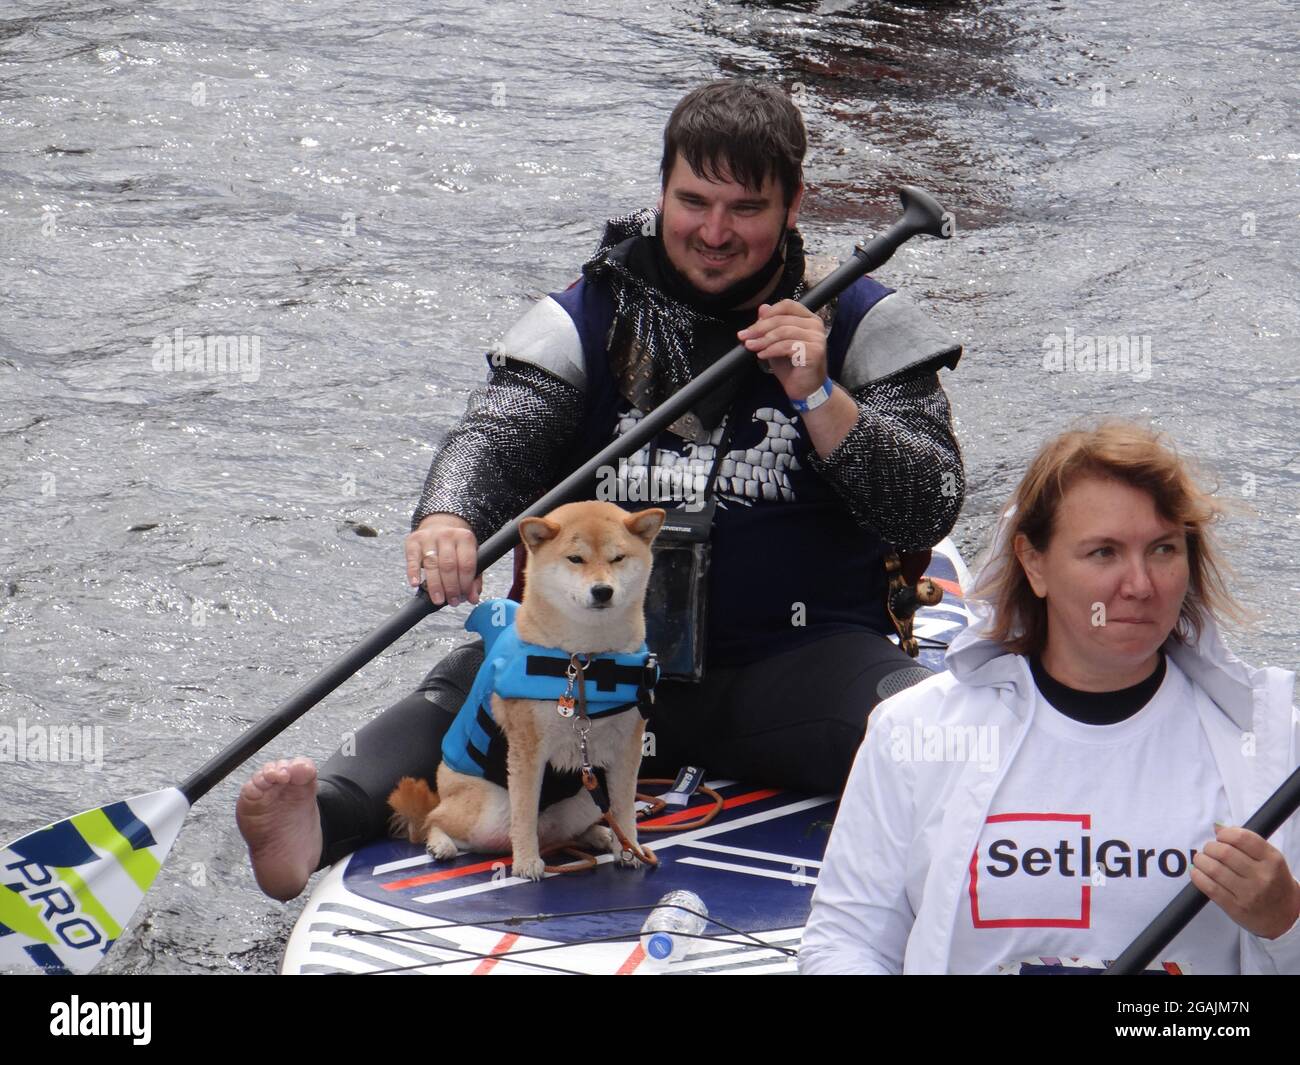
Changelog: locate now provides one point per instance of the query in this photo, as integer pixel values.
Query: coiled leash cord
(654, 806)
(574, 701)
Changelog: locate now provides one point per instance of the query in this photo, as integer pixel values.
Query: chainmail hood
(659, 342)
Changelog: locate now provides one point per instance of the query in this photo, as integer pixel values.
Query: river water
(365, 196)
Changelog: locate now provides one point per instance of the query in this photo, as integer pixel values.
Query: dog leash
(569, 706)
(573, 704)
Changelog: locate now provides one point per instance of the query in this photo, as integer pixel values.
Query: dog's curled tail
(412, 801)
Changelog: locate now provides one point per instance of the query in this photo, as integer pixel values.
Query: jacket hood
(972, 657)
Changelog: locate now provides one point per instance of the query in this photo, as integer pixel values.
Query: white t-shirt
(1089, 836)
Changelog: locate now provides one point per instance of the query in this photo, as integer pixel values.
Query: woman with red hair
(1091, 746)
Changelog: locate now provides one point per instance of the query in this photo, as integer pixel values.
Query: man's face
(718, 233)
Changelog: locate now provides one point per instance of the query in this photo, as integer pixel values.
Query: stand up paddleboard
(390, 907)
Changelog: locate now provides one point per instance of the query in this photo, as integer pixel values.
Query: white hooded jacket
(895, 869)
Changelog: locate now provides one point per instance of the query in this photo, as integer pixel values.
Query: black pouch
(677, 607)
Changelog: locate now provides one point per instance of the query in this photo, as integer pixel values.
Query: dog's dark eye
(618, 558)
(576, 559)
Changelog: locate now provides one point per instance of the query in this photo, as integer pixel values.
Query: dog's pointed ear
(536, 531)
(646, 523)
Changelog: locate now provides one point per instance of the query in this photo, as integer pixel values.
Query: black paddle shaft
(921, 215)
(1188, 903)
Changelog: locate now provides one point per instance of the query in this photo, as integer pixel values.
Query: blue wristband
(815, 400)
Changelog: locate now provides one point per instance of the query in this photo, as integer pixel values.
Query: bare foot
(279, 820)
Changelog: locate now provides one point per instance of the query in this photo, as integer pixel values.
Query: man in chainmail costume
(840, 446)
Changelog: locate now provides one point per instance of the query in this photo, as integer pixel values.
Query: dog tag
(565, 705)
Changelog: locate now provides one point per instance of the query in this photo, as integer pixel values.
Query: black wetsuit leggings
(794, 720)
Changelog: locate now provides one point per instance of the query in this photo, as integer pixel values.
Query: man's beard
(719, 303)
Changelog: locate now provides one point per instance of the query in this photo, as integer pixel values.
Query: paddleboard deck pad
(391, 908)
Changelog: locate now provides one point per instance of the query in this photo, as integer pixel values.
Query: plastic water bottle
(668, 933)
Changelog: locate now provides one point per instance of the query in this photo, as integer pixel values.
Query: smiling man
(835, 450)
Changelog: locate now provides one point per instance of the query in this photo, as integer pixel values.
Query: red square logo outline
(1085, 901)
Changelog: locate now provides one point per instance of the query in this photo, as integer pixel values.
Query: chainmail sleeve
(899, 469)
(505, 451)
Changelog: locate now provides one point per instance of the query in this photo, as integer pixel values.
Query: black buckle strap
(604, 673)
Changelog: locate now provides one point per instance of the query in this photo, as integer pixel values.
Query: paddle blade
(68, 890)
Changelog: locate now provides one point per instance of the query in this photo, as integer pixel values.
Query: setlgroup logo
(1039, 870)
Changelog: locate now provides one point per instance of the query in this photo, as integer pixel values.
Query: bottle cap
(660, 946)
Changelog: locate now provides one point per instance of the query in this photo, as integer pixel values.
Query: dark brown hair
(1132, 455)
(748, 128)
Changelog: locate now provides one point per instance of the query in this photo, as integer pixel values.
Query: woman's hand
(446, 549)
(1250, 881)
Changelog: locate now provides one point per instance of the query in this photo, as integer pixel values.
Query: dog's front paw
(440, 845)
(528, 868)
(600, 838)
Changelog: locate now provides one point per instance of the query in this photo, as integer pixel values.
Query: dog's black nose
(602, 593)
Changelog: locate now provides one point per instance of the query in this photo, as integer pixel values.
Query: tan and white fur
(584, 591)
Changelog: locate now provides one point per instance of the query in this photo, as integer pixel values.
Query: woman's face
(1114, 577)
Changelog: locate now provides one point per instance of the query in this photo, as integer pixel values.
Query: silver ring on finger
(430, 554)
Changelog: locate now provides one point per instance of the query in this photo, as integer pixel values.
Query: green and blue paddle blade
(68, 890)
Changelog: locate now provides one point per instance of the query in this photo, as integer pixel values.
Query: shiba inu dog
(584, 595)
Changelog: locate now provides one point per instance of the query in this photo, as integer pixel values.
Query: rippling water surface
(369, 194)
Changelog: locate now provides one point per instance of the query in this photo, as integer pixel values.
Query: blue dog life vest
(515, 669)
